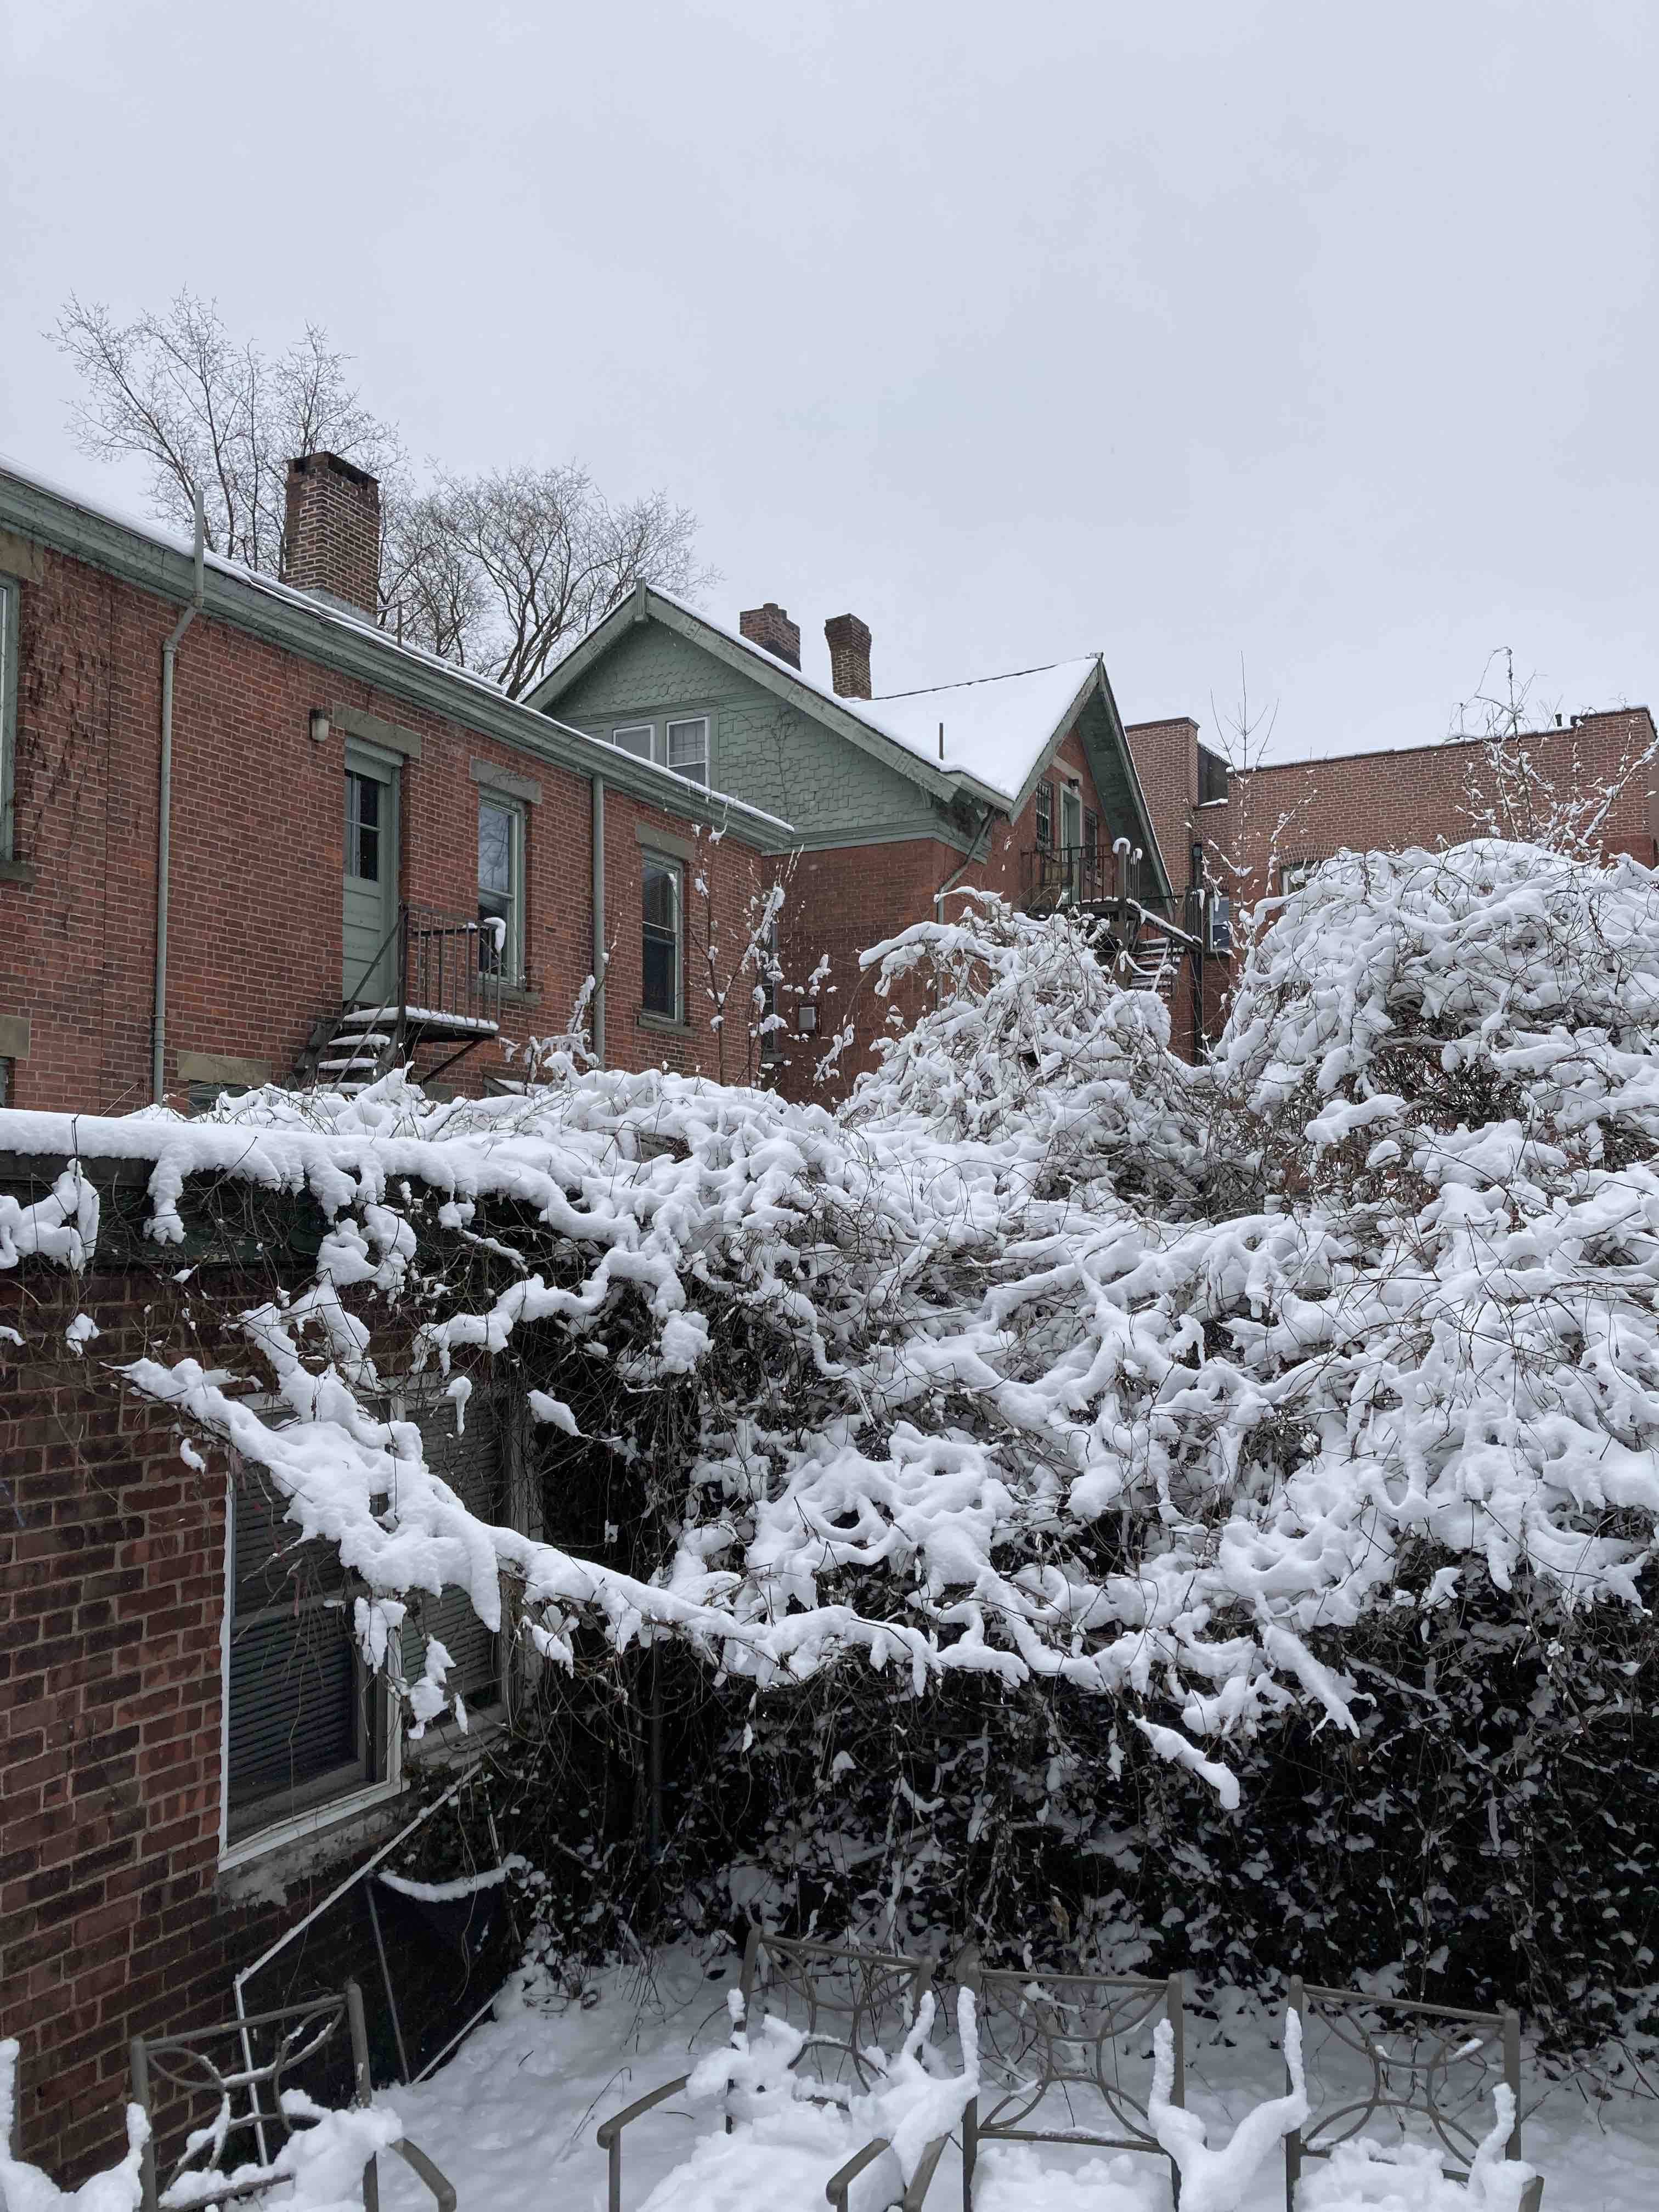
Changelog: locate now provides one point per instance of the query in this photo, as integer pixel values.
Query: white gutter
(158, 1051)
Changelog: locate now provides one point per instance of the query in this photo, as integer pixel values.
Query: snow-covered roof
(335, 614)
(997, 728)
(994, 728)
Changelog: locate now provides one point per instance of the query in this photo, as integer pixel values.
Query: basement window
(307, 1724)
(659, 992)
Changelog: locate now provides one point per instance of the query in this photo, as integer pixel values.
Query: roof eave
(349, 646)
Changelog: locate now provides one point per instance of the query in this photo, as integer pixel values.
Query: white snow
(516, 2109)
(996, 729)
(994, 1250)
(511, 2119)
(449, 1893)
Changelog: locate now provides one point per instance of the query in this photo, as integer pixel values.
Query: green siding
(764, 752)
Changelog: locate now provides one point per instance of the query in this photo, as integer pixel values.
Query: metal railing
(449, 966)
(1093, 878)
(446, 969)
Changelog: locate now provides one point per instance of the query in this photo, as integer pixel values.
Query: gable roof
(1000, 731)
(340, 638)
(997, 729)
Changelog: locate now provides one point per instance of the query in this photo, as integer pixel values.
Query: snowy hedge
(1050, 1377)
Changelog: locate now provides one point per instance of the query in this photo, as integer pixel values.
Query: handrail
(611, 2131)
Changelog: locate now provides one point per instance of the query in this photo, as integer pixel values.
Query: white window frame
(687, 722)
(310, 1819)
(646, 730)
(512, 959)
(1070, 818)
(1218, 922)
(675, 869)
(10, 597)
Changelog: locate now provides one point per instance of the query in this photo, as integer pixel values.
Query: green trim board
(349, 644)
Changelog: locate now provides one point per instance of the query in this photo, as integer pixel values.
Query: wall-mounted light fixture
(319, 725)
(809, 1018)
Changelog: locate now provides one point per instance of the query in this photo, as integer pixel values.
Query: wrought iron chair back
(1066, 2058)
(232, 2078)
(1397, 2058)
(845, 2000)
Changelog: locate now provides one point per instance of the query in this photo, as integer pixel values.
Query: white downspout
(158, 1051)
(599, 920)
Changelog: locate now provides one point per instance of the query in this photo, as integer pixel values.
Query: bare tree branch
(501, 572)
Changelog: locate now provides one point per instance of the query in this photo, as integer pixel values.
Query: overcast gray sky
(1322, 337)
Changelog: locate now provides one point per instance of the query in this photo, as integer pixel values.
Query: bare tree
(500, 572)
(1512, 790)
(503, 572)
(208, 412)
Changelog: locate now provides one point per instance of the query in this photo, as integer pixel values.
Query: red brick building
(333, 797)
(1288, 818)
(1023, 783)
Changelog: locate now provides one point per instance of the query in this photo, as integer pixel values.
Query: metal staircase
(447, 971)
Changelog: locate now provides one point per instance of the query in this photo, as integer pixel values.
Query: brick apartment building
(1288, 818)
(336, 800)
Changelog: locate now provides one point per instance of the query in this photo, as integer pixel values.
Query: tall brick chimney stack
(770, 627)
(333, 534)
(849, 656)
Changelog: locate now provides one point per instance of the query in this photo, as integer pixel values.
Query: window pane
(660, 950)
(688, 749)
(494, 848)
(661, 885)
(300, 1723)
(364, 827)
(635, 738)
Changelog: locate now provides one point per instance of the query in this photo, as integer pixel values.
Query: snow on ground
(512, 2119)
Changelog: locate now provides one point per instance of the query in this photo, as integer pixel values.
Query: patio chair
(1051, 2061)
(216, 2070)
(845, 2000)
(1404, 2057)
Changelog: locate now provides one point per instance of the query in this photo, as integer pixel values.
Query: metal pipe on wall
(599, 920)
(158, 1051)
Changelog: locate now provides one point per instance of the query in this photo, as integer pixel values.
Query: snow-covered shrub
(1029, 1043)
(1110, 1464)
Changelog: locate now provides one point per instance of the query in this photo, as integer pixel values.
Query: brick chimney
(333, 545)
(770, 627)
(849, 656)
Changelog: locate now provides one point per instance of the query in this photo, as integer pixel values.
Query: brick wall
(115, 1919)
(254, 941)
(847, 898)
(111, 1595)
(1431, 795)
